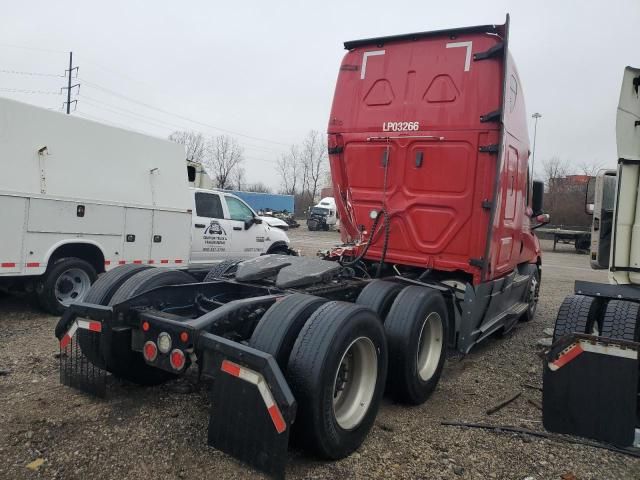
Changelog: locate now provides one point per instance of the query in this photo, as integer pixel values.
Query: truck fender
(75, 241)
(280, 246)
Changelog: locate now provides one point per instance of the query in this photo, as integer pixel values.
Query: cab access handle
(237, 228)
(200, 225)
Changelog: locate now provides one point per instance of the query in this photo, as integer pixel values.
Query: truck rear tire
(621, 321)
(379, 295)
(337, 372)
(279, 327)
(225, 267)
(100, 294)
(577, 314)
(122, 361)
(416, 329)
(65, 282)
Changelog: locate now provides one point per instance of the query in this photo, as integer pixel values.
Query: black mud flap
(80, 345)
(591, 388)
(252, 407)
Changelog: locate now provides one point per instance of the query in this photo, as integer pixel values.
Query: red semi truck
(429, 156)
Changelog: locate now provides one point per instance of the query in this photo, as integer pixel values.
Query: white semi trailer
(78, 198)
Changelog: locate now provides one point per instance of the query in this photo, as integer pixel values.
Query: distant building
(569, 183)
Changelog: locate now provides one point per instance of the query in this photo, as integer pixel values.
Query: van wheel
(279, 327)
(378, 295)
(416, 329)
(222, 269)
(122, 361)
(337, 372)
(577, 314)
(67, 281)
(100, 294)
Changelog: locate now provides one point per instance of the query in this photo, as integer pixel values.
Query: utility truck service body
(429, 155)
(78, 198)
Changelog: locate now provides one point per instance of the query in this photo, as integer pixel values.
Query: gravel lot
(161, 432)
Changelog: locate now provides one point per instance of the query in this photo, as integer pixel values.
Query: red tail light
(177, 359)
(184, 337)
(150, 351)
(145, 326)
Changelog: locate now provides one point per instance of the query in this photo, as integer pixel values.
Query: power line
(32, 74)
(90, 102)
(166, 112)
(125, 113)
(32, 92)
(156, 122)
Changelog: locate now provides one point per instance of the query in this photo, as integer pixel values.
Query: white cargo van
(78, 198)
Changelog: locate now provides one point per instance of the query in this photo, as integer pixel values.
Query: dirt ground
(161, 432)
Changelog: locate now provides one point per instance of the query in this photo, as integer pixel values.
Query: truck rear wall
(416, 129)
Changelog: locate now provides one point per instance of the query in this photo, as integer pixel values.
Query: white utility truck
(591, 370)
(78, 198)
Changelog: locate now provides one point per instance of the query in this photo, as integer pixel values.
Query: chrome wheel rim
(71, 286)
(355, 383)
(430, 344)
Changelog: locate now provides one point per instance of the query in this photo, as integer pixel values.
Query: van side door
(210, 235)
(248, 238)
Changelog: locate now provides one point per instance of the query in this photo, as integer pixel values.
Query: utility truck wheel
(100, 294)
(225, 267)
(279, 327)
(337, 372)
(122, 361)
(532, 296)
(621, 321)
(378, 295)
(65, 282)
(577, 314)
(416, 329)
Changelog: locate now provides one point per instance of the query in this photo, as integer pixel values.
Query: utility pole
(536, 116)
(69, 87)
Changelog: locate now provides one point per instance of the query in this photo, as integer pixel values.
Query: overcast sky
(268, 69)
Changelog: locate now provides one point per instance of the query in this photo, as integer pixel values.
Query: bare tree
(289, 171)
(590, 168)
(554, 170)
(224, 158)
(257, 187)
(239, 179)
(194, 143)
(314, 158)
